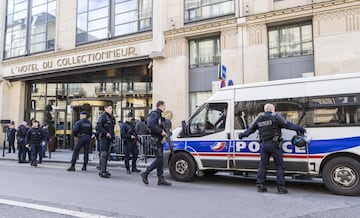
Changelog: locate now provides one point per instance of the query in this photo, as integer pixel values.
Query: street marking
(51, 209)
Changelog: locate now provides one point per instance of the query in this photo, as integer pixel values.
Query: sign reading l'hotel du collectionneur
(70, 61)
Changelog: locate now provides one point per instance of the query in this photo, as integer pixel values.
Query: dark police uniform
(20, 137)
(11, 138)
(83, 131)
(105, 124)
(269, 126)
(153, 122)
(130, 146)
(34, 137)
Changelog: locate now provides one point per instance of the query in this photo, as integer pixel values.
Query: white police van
(328, 107)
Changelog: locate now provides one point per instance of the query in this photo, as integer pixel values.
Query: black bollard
(4, 149)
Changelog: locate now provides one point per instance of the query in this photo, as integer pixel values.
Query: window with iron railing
(204, 52)
(290, 40)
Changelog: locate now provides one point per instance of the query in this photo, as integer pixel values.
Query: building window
(30, 27)
(204, 9)
(97, 20)
(204, 52)
(290, 40)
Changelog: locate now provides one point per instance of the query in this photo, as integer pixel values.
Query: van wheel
(182, 167)
(341, 176)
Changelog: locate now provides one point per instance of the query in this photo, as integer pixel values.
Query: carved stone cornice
(82, 48)
(301, 11)
(201, 28)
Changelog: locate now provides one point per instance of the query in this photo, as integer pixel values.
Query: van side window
(334, 110)
(244, 113)
(210, 118)
(291, 109)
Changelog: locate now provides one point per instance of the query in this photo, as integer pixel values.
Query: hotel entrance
(58, 100)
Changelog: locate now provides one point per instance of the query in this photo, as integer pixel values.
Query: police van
(328, 107)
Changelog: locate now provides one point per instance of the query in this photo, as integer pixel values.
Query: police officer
(269, 125)
(129, 137)
(105, 129)
(157, 134)
(83, 131)
(11, 136)
(33, 139)
(20, 138)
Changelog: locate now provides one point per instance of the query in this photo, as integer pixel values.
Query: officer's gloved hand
(301, 131)
(241, 135)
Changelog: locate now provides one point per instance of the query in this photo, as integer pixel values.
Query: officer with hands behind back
(105, 130)
(157, 133)
(129, 136)
(269, 125)
(33, 139)
(83, 131)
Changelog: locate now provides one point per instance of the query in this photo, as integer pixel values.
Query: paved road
(58, 193)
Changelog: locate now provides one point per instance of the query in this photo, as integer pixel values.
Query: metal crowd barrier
(145, 150)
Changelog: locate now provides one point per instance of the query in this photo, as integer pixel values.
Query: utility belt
(83, 134)
(277, 140)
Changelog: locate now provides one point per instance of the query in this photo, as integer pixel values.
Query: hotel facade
(57, 55)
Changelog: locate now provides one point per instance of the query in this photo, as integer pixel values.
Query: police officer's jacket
(34, 136)
(127, 130)
(153, 122)
(11, 134)
(82, 127)
(46, 133)
(105, 125)
(21, 132)
(269, 125)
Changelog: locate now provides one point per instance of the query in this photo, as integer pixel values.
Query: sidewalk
(64, 156)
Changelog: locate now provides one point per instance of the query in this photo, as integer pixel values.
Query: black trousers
(83, 142)
(130, 148)
(270, 148)
(158, 162)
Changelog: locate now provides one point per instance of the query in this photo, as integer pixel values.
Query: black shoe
(104, 174)
(282, 190)
(162, 181)
(261, 188)
(135, 170)
(128, 171)
(71, 168)
(83, 168)
(144, 177)
(33, 164)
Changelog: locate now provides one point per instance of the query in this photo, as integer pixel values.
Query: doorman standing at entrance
(83, 131)
(105, 130)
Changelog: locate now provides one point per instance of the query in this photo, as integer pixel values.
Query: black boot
(162, 181)
(105, 174)
(282, 190)
(84, 167)
(128, 171)
(144, 177)
(261, 188)
(71, 168)
(135, 170)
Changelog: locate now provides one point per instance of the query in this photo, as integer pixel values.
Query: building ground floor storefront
(58, 98)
